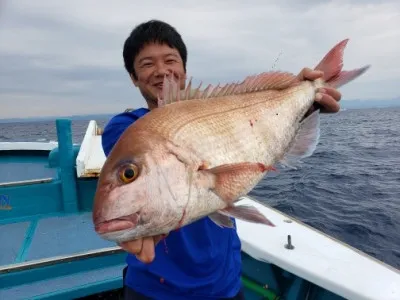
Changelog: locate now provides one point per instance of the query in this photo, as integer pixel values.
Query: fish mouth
(118, 224)
(159, 85)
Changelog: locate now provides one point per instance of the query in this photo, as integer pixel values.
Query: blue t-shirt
(199, 261)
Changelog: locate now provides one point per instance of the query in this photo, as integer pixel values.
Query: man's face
(151, 64)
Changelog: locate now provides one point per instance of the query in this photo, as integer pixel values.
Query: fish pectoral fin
(305, 142)
(221, 220)
(231, 181)
(246, 213)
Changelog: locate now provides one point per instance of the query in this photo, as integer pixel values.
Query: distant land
(345, 104)
(360, 104)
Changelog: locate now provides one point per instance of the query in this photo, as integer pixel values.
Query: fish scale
(200, 150)
(209, 123)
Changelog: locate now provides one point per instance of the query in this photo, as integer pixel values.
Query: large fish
(186, 160)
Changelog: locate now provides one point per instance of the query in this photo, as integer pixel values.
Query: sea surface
(349, 188)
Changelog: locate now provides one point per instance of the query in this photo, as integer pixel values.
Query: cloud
(61, 58)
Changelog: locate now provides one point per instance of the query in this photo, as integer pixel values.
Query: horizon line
(74, 116)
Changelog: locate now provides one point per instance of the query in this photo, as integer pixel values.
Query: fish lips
(118, 224)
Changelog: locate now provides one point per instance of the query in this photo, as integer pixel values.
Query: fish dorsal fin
(274, 80)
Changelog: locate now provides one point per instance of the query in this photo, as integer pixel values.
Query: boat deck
(52, 239)
(48, 237)
(47, 249)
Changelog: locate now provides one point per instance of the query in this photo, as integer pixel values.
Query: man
(201, 260)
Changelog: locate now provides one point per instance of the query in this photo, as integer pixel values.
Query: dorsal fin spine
(268, 80)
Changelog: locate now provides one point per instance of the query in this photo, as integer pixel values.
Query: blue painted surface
(60, 270)
(62, 235)
(297, 290)
(25, 246)
(53, 218)
(76, 278)
(261, 273)
(58, 285)
(9, 247)
(22, 165)
(53, 158)
(86, 189)
(67, 165)
(31, 200)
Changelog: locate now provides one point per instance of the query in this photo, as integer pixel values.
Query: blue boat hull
(50, 251)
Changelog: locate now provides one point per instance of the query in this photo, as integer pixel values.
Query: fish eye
(128, 173)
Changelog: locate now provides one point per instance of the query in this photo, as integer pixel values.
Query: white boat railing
(91, 157)
(317, 257)
(45, 146)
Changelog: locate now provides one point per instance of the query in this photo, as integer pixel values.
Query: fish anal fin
(305, 141)
(221, 220)
(246, 213)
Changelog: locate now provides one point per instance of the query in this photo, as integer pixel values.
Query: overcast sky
(65, 57)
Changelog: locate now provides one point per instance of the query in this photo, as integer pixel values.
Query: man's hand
(143, 248)
(326, 98)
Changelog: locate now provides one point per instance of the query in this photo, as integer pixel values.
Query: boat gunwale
(27, 182)
(48, 261)
(28, 146)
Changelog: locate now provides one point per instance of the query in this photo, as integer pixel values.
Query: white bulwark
(91, 156)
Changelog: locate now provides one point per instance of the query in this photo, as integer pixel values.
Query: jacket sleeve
(114, 129)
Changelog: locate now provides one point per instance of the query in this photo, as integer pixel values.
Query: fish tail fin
(307, 137)
(332, 65)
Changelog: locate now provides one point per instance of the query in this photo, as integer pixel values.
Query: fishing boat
(49, 249)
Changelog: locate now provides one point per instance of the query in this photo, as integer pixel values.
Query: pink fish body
(186, 160)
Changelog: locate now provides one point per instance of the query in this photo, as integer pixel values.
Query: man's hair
(153, 31)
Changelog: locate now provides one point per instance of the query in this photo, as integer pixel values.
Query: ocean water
(349, 188)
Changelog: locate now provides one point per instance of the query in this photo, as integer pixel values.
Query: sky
(65, 57)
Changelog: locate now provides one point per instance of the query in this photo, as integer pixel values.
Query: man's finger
(329, 105)
(334, 93)
(147, 254)
(310, 74)
(133, 247)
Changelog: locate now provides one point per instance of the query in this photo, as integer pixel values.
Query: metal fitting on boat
(289, 243)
